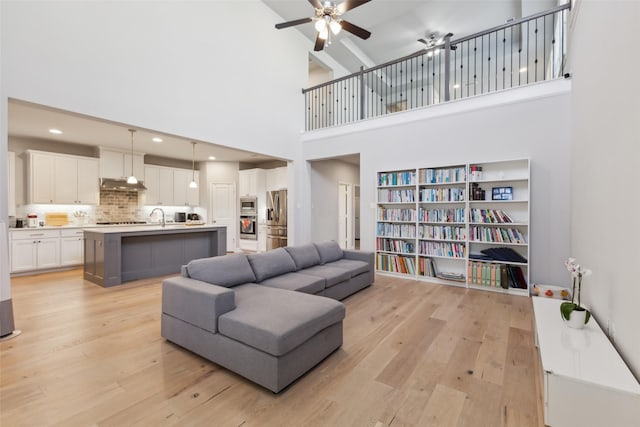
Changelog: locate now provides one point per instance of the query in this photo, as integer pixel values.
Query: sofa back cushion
(227, 270)
(328, 251)
(270, 264)
(304, 255)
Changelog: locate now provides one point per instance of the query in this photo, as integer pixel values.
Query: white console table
(586, 383)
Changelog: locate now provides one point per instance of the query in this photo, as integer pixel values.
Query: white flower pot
(576, 319)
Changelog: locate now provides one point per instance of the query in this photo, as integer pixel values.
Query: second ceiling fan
(327, 18)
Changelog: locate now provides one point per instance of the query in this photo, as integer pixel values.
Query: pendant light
(132, 179)
(193, 183)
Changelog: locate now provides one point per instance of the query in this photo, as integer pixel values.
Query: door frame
(346, 240)
(234, 232)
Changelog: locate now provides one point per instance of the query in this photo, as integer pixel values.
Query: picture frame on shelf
(502, 193)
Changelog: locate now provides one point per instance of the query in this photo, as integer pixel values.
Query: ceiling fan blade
(350, 4)
(317, 4)
(355, 30)
(319, 44)
(292, 23)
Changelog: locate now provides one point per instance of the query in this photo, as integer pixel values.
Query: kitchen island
(113, 255)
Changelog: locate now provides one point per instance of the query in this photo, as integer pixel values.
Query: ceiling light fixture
(55, 131)
(156, 139)
(193, 183)
(132, 179)
(212, 157)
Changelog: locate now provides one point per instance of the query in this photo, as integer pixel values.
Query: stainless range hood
(120, 185)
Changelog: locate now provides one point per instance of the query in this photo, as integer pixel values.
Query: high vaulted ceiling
(396, 25)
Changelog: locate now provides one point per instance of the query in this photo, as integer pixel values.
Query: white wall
(181, 68)
(324, 178)
(605, 148)
(527, 122)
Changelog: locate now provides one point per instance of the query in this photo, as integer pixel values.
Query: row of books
(426, 267)
(395, 264)
(396, 214)
(396, 230)
(442, 232)
(496, 234)
(443, 249)
(396, 196)
(396, 178)
(496, 275)
(395, 245)
(489, 216)
(453, 194)
(441, 215)
(437, 176)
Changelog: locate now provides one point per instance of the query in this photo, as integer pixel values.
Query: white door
(345, 216)
(223, 211)
(49, 253)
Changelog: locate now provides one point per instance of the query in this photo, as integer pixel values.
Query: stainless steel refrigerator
(276, 219)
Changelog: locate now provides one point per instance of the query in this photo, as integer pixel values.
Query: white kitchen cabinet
(63, 179)
(88, 182)
(41, 178)
(170, 186)
(11, 180)
(34, 250)
(251, 182)
(276, 179)
(117, 164)
(71, 247)
(585, 381)
(262, 237)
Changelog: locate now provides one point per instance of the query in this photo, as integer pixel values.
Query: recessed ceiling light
(55, 131)
(212, 157)
(156, 139)
(523, 69)
(456, 86)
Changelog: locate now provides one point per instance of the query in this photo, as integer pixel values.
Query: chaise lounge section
(269, 317)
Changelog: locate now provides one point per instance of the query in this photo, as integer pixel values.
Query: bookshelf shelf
(428, 211)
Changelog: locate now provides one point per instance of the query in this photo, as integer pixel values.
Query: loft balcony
(525, 51)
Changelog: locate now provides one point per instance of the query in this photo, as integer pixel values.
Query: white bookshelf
(431, 221)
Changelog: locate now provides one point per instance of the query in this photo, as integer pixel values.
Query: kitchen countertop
(151, 228)
(85, 226)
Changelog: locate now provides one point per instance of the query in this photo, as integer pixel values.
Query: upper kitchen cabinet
(277, 179)
(117, 164)
(62, 179)
(182, 194)
(170, 187)
(11, 179)
(251, 182)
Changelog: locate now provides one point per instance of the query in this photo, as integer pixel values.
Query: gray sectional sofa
(269, 317)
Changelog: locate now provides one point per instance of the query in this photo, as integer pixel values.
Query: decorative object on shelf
(502, 193)
(132, 179)
(575, 315)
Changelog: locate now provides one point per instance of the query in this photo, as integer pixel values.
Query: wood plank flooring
(414, 354)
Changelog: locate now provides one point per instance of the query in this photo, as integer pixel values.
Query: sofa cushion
(276, 320)
(269, 264)
(296, 282)
(328, 251)
(304, 255)
(227, 270)
(331, 275)
(354, 267)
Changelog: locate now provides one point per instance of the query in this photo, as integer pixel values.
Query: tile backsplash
(118, 206)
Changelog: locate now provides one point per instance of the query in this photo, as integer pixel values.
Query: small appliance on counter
(180, 217)
(32, 220)
(193, 217)
(19, 223)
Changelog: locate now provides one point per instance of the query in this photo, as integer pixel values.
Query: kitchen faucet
(159, 209)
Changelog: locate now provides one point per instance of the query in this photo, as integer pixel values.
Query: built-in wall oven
(248, 218)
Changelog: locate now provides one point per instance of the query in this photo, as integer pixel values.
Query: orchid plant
(577, 273)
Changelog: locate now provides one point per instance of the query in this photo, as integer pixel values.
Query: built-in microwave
(248, 206)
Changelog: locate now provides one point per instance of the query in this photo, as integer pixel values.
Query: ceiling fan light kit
(327, 17)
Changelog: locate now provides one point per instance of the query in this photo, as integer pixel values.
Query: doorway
(223, 211)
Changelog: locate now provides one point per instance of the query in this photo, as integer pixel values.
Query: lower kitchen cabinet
(71, 247)
(45, 249)
(35, 250)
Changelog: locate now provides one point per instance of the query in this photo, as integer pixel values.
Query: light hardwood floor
(414, 354)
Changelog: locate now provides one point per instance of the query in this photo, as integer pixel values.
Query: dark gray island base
(120, 254)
